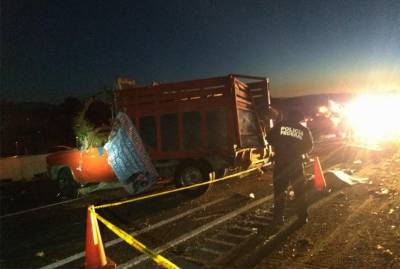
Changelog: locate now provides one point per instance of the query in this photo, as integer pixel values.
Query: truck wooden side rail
(201, 125)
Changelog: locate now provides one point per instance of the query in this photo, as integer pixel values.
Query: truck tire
(190, 173)
(67, 186)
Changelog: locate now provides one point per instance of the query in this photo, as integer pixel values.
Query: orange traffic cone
(95, 257)
(319, 179)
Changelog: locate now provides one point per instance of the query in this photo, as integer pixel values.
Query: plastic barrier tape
(160, 260)
(212, 180)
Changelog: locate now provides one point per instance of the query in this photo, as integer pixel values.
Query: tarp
(128, 157)
(351, 180)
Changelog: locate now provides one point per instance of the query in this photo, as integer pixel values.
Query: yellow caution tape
(160, 260)
(212, 180)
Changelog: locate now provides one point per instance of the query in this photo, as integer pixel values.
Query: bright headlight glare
(374, 118)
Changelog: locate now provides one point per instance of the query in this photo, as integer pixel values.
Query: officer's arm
(309, 142)
(271, 136)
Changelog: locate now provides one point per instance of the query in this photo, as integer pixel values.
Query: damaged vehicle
(173, 133)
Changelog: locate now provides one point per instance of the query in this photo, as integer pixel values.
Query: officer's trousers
(286, 173)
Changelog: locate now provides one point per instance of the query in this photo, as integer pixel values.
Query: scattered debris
(303, 243)
(294, 252)
(384, 251)
(387, 252)
(345, 177)
(291, 195)
(39, 254)
(341, 194)
(368, 230)
(382, 191)
(260, 211)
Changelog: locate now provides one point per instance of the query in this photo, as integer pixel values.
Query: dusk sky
(54, 49)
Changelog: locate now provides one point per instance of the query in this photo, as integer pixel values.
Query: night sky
(54, 49)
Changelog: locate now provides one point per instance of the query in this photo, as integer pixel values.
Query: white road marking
(195, 232)
(38, 208)
(119, 240)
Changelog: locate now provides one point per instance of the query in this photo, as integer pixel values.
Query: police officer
(290, 142)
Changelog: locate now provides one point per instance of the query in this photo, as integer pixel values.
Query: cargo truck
(189, 129)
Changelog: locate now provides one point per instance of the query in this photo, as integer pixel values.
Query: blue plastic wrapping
(129, 158)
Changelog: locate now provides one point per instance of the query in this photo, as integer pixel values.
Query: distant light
(323, 109)
(373, 119)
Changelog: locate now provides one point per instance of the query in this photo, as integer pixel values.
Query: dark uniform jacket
(290, 141)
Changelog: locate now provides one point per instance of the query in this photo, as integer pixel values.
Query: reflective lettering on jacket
(293, 132)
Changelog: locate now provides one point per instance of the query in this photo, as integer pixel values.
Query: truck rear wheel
(68, 187)
(191, 173)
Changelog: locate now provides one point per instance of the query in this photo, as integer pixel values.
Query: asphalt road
(42, 237)
(55, 236)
